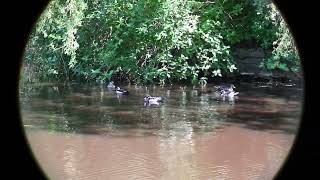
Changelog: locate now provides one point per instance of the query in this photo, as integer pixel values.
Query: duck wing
(235, 93)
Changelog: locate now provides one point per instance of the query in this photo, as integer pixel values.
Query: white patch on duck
(227, 91)
(111, 85)
(121, 91)
(151, 103)
(153, 99)
(149, 100)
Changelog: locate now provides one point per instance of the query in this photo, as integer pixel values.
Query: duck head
(111, 85)
(146, 98)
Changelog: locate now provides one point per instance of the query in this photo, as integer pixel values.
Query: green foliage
(53, 44)
(149, 41)
(284, 55)
(263, 27)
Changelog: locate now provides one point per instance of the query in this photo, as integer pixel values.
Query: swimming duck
(150, 101)
(229, 93)
(227, 90)
(111, 85)
(120, 91)
(149, 98)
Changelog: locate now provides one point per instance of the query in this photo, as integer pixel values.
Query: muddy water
(88, 132)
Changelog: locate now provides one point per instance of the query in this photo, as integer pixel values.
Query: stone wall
(249, 59)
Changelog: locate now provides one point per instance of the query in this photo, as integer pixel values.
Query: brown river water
(88, 132)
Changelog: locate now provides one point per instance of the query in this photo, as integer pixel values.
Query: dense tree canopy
(153, 41)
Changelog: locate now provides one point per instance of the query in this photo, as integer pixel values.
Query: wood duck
(120, 91)
(227, 90)
(229, 93)
(152, 101)
(149, 98)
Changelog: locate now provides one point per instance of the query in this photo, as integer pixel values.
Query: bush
(151, 41)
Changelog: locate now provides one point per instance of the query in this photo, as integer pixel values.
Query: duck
(149, 100)
(229, 94)
(227, 90)
(120, 91)
(111, 85)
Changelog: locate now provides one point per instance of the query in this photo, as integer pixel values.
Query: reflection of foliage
(53, 126)
(25, 93)
(58, 123)
(75, 115)
(197, 112)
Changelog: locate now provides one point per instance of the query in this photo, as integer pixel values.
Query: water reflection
(88, 132)
(234, 153)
